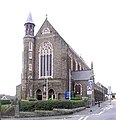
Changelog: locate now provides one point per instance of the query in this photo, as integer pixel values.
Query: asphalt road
(106, 111)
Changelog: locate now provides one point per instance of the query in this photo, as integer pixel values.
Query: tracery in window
(46, 59)
(46, 30)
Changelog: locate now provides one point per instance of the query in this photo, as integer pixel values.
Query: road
(106, 111)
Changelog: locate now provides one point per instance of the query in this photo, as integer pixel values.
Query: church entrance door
(51, 94)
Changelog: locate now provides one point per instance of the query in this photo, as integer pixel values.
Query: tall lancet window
(46, 60)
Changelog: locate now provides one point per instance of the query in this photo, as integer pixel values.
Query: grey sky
(89, 26)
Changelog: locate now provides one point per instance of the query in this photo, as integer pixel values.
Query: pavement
(81, 115)
(94, 109)
(76, 112)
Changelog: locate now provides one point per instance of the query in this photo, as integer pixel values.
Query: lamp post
(90, 88)
(90, 92)
(109, 93)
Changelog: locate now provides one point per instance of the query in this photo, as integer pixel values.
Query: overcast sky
(88, 26)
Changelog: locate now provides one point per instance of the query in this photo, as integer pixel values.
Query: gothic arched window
(78, 89)
(46, 60)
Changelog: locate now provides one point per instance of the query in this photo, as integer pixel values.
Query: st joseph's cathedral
(47, 65)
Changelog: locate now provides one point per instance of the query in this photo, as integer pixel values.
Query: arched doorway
(59, 96)
(78, 89)
(39, 94)
(51, 94)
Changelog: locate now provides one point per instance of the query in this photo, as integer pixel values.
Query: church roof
(46, 28)
(82, 75)
(29, 19)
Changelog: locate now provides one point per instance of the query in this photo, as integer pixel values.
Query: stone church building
(47, 65)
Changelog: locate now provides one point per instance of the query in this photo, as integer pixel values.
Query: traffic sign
(89, 87)
(89, 92)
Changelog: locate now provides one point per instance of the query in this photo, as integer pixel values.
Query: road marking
(81, 118)
(104, 110)
(86, 118)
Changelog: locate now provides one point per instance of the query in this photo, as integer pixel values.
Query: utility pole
(69, 84)
(47, 89)
(46, 85)
(109, 93)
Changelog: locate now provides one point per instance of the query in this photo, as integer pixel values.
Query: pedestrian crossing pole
(90, 92)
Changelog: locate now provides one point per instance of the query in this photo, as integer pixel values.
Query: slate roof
(29, 19)
(6, 96)
(81, 75)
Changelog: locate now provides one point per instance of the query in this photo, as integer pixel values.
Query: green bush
(44, 105)
(27, 105)
(4, 107)
(4, 102)
(76, 98)
(32, 99)
(50, 104)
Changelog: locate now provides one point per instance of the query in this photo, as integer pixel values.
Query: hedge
(4, 102)
(25, 105)
(4, 107)
(50, 104)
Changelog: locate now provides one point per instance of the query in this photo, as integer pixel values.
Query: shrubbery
(50, 104)
(26, 105)
(77, 98)
(4, 102)
(32, 99)
(4, 107)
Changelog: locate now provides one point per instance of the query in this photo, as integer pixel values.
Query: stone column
(17, 108)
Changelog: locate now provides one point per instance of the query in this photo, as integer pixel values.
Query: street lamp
(91, 85)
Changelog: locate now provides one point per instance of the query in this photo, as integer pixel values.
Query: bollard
(90, 110)
(98, 103)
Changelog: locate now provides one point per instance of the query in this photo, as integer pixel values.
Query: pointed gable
(46, 29)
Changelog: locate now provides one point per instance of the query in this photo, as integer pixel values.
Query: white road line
(86, 118)
(81, 118)
(104, 110)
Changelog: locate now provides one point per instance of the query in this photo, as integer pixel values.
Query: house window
(46, 60)
(30, 46)
(79, 66)
(30, 55)
(76, 65)
(78, 89)
(30, 67)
